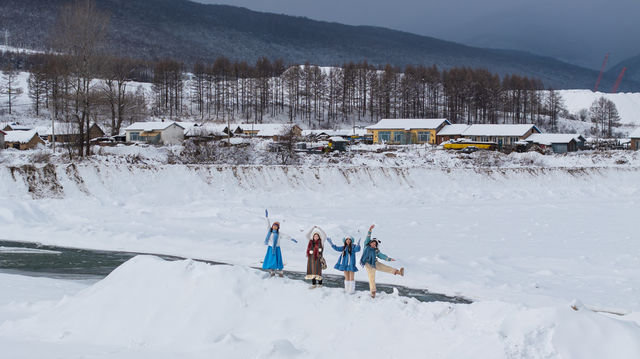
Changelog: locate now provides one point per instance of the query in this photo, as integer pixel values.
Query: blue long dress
(273, 258)
(347, 261)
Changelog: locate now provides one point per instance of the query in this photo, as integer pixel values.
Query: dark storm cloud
(578, 31)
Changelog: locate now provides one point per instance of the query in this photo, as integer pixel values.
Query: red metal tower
(604, 64)
(614, 89)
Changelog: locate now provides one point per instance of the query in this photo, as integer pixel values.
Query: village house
(22, 140)
(558, 142)
(2, 133)
(635, 139)
(207, 130)
(356, 133)
(506, 135)
(451, 132)
(406, 131)
(157, 133)
(267, 130)
(68, 132)
(14, 127)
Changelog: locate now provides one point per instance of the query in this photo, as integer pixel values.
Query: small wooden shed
(22, 140)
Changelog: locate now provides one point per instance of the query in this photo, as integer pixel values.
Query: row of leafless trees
(80, 85)
(324, 97)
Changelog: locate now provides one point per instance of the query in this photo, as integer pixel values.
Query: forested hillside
(188, 31)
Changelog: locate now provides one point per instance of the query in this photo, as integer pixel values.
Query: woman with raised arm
(273, 259)
(347, 262)
(370, 261)
(316, 238)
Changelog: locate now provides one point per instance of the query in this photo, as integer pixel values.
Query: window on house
(153, 139)
(134, 136)
(398, 137)
(384, 136)
(424, 136)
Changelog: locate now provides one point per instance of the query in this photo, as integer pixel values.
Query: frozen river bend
(523, 243)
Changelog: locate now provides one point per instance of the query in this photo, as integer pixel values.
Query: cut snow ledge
(193, 308)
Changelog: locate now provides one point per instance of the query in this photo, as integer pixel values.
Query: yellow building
(407, 131)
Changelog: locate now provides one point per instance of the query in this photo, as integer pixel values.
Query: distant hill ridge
(633, 70)
(190, 31)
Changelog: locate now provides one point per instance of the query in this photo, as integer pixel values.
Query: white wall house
(502, 135)
(161, 133)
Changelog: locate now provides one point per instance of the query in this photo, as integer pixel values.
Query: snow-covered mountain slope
(628, 104)
(149, 307)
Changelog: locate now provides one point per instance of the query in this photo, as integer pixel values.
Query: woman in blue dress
(273, 259)
(347, 262)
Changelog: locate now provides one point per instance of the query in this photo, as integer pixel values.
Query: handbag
(323, 263)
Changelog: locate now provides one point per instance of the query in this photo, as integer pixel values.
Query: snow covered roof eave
(409, 124)
(150, 126)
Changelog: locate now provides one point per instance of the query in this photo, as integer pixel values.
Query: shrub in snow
(40, 156)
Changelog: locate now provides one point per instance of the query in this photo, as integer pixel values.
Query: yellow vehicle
(465, 144)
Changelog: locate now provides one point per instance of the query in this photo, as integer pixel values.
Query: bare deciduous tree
(9, 85)
(79, 33)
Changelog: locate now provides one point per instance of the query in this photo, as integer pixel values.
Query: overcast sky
(579, 31)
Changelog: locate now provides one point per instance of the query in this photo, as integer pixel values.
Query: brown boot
(373, 294)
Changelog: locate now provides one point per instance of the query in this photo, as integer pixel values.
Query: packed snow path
(74, 263)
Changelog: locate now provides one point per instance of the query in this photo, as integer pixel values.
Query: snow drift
(535, 236)
(193, 309)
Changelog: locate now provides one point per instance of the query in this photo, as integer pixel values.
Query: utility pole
(53, 133)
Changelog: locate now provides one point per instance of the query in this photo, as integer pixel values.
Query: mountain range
(189, 31)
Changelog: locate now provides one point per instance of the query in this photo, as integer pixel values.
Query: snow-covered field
(523, 242)
(628, 104)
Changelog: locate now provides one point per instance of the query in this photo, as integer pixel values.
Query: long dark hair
(350, 245)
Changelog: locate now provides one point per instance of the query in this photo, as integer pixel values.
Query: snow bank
(191, 308)
(534, 236)
(22, 296)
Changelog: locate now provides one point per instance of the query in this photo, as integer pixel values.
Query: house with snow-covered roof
(502, 135)
(22, 140)
(207, 130)
(267, 130)
(558, 142)
(66, 132)
(157, 133)
(635, 139)
(407, 131)
(451, 132)
(13, 126)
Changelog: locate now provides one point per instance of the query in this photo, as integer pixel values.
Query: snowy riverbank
(522, 242)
